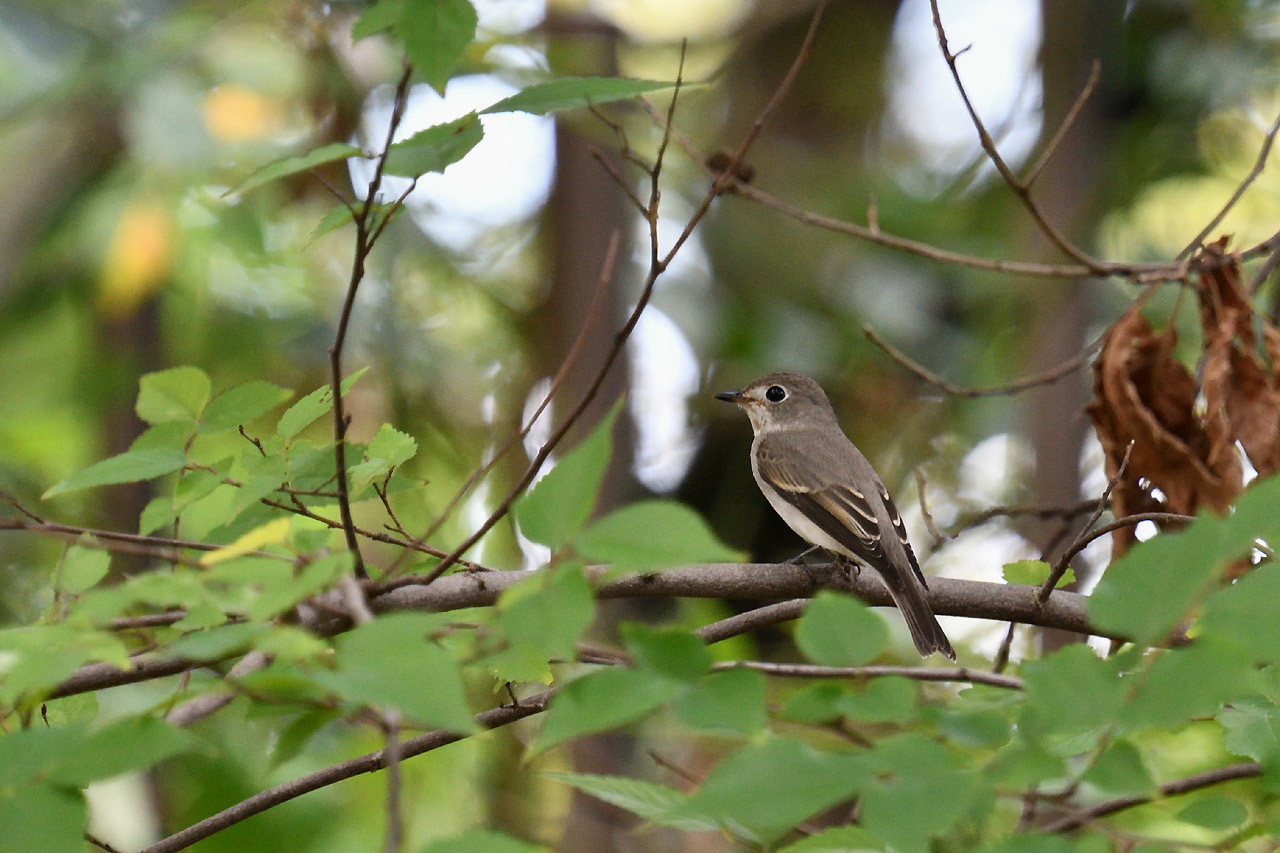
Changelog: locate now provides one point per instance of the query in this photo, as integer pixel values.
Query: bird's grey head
(782, 400)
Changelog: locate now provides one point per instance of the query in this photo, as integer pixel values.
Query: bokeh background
(123, 124)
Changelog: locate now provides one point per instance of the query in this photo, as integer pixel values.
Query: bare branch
(1034, 381)
(1230, 773)
(1067, 122)
(1258, 165)
(918, 673)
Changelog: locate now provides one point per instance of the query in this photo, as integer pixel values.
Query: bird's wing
(831, 501)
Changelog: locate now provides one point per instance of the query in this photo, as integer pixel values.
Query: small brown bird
(827, 491)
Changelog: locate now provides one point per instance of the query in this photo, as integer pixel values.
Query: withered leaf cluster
(1185, 457)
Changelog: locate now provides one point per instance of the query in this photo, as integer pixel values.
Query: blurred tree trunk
(1075, 34)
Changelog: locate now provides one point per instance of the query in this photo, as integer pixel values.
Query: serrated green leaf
(216, 643)
(652, 535)
(131, 466)
(36, 658)
(561, 502)
(286, 166)
(539, 619)
(815, 703)
(1189, 682)
(389, 449)
(1034, 573)
(134, 743)
(764, 789)
(1150, 590)
(838, 630)
(919, 791)
(436, 148)
(306, 411)
(177, 395)
(1073, 691)
(1252, 729)
(392, 662)
(435, 34)
(242, 404)
(82, 568)
(571, 92)
(728, 702)
(646, 800)
(671, 652)
(600, 701)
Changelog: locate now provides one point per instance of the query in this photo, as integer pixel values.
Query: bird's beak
(731, 396)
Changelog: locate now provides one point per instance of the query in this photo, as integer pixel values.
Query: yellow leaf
(271, 533)
(234, 113)
(138, 258)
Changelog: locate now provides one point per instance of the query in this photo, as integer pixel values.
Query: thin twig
(1067, 122)
(1258, 165)
(1043, 513)
(1128, 521)
(1268, 267)
(1060, 567)
(917, 673)
(368, 763)
(1034, 381)
(364, 245)
(1230, 773)
(395, 824)
(921, 485)
(570, 359)
(1020, 189)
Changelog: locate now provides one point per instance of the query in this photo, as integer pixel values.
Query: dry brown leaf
(1143, 395)
(1239, 388)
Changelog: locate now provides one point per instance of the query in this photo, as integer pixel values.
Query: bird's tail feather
(926, 633)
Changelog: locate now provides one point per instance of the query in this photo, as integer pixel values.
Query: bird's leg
(798, 559)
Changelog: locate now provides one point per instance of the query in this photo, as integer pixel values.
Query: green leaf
(131, 466)
(134, 743)
(602, 700)
(481, 841)
(82, 568)
(436, 148)
(34, 659)
(882, 700)
(377, 17)
(840, 839)
(539, 619)
(45, 817)
(435, 34)
(306, 411)
(389, 449)
(732, 702)
(1073, 691)
(919, 791)
(1148, 592)
(1243, 613)
(1189, 682)
(646, 800)
(672, 652)
(392, 662)
(1252, 729)
(1120, 771)
(242, 404)
(652, 535)
(764, 789)
(301, 729)
(561, 502)
(286, 166)
(815, 703)
(216, 643)
(838, 630)
(175, 395)
(1034, 573)
(572, 92)
(1215, 812)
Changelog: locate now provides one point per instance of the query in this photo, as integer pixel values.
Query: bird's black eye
(775, 394)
